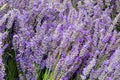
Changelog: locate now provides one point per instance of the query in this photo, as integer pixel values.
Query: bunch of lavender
(2, 69)
(5, 26)
(68, 37)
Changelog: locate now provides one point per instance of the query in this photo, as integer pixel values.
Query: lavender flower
(80, 32)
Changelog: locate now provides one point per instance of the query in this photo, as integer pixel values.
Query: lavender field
(59, 39)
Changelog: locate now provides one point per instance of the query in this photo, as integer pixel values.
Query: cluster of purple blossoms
(82, 33)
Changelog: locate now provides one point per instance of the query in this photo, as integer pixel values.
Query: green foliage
(51, 75)
(103, 58)
(10, 65)
(118, 27)
(3, 7)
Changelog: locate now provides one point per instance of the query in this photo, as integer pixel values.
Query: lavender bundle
(70, 39)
